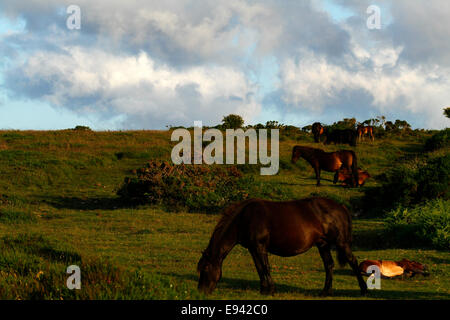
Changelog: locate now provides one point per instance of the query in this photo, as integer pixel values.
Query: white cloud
(176, 61)
(96, 81)
(316, 84)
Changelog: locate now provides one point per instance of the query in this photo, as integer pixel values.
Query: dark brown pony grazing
(317, 130)
(362, 131)
(328, 161)
(285, 229)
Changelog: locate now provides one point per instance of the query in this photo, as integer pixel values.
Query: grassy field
(58, 206)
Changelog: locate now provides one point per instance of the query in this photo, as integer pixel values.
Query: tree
(402, 125)
(447, 112)
(382, 120)
(346, 123)
(274, 125)
(232, 121)
(389, 126)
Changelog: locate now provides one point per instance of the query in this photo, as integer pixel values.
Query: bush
(82, 128)
(438, 140)
(426, 224)
(411, 183)
(193, 187)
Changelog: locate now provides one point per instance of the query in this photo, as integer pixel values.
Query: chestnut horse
(328, 161)
(362, 131)
(345, 177)
(317, 130)
(285, 229)
(390, 269)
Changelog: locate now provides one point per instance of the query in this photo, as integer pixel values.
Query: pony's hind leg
(344, 252)
(328, 263)
(261, 260)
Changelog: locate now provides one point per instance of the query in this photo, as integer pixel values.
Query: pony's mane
(227, 217)
(309, 150)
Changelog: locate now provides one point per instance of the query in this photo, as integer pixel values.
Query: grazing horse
(285, 229)
(362, 131)
(317, 130)
(341, 136)
(328, 161)
(346, 177)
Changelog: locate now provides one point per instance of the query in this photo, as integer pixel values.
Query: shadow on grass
(412, 148)
(239, 284)
(439, 260)
(77, 203)
(380, 239)
(311, 182)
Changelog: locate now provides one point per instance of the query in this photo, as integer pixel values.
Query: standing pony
(341, 136)
(362, 131)
(328, 161)
(317, 130)
(285, 229)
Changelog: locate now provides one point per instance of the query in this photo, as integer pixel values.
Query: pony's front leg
(328, 263)
(317, 171)
(336, 177)
(261, 261)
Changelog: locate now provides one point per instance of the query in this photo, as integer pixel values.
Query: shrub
(82, 128)
(438, 140)
(411, 183)
(427, 224)
(193, 187)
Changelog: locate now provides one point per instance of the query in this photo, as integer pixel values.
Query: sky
(151, 64)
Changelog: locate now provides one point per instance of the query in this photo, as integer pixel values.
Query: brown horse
(328, 161)
(346, 177)
(389, 269)
(317, 130)
(362, 131)
(285, 229)
(341, 136)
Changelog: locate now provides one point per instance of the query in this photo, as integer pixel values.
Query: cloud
(94, 81)
(377, 78)
(172, 62)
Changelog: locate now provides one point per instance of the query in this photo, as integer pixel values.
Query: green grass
(58, 207)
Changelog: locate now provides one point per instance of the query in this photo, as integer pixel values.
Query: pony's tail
(355, 169)
(345, 243)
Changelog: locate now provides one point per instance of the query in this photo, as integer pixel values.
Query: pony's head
(209, 274)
